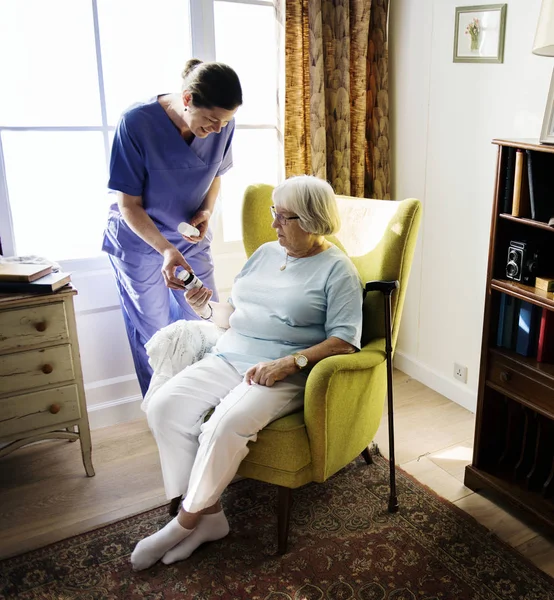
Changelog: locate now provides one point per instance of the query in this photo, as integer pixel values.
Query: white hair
(313, 200)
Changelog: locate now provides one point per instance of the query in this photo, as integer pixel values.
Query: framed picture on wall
(479, 33)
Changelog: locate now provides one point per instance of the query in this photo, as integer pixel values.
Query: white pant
(199, 459)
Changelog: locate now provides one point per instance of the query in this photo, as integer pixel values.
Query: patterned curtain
(336, 119)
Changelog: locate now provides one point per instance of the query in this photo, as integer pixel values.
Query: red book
(545, 350)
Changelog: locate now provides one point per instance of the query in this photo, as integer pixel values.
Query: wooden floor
(45, 495)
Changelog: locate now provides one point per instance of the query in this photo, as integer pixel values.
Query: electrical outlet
(460, 372)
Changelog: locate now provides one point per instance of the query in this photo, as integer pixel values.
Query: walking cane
(387, 288)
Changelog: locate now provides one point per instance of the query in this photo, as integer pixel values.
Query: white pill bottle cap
(188, 230)
(190, 280)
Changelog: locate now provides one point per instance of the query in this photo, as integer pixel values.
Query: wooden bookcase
(513, 453)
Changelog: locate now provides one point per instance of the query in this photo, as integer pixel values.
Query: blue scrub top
(150, 159)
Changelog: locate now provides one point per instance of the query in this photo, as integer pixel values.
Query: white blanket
(175, 347)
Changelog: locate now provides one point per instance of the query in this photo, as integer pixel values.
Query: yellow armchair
(345, 394)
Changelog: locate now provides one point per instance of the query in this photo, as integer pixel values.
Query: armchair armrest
(344, 400)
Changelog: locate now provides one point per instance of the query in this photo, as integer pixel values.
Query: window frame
(202, 36)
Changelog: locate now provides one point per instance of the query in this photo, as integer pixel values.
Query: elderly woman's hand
(198, 299)
(267, 373)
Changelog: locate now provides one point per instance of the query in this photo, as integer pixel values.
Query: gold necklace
(284, 266)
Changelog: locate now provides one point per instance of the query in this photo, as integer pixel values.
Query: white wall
(444, 116)
(111, 386)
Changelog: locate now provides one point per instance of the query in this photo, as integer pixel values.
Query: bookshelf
(513, 455)
(527, 222)
(524, 292)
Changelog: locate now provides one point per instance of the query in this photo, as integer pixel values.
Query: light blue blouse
(281, 312)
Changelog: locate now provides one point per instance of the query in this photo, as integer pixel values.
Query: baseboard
(115, 411)
(451, 389)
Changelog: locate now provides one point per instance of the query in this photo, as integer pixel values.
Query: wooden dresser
(41, 384)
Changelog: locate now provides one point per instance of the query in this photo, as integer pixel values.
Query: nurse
(167, 159)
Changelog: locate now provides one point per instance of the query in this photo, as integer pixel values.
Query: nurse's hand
(268, 373)
(200, 221)
(173, 259)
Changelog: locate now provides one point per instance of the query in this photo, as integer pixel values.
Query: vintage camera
(523, 263)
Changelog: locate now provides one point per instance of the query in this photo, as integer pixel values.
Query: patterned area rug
(343, 545)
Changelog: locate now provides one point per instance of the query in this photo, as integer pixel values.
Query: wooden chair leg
(284, 506)
(174, 506)
(367, 456)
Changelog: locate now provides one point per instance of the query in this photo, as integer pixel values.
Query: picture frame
(547, 131)
(479, 33)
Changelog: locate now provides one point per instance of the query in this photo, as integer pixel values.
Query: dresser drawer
(35, 368)
(27, 412)
(512, 378)
(33, 326)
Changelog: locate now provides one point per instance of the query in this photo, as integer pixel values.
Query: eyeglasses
(281, 218)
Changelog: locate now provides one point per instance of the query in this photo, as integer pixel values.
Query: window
(75, 65)
(243, 38)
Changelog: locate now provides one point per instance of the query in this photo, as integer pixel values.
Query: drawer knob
(40, 326)
(55, 408)
(47, 369)
(505, 376)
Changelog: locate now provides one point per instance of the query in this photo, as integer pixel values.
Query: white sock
(149, 550)
(210, 528)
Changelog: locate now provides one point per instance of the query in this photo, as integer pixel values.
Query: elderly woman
(296, 301)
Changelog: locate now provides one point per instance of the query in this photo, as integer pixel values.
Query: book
(545, 347)
(520, 202)
(506, 334)
(528, 329)
(539, 169)
(501, 317)
(49, 283)
(18, 271)
(531, 186)
(507, 329)
(509, 181)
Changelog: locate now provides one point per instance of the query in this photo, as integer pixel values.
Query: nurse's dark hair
(212, 84)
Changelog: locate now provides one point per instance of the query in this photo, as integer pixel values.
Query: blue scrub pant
(148, 305)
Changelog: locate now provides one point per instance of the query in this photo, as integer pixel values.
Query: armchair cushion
(271, 453)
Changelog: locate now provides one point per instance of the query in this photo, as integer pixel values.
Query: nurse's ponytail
(193, 62)
(212, 84)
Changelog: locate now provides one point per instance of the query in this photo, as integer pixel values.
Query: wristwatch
(300, 360)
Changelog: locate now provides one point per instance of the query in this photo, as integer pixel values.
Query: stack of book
(25, 278)
(526, 329)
